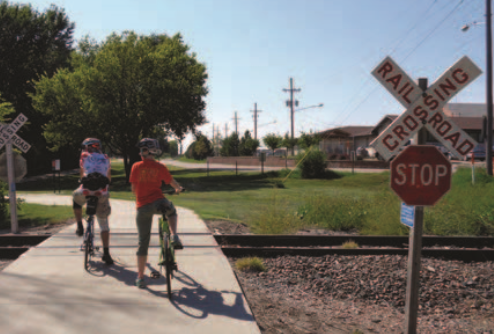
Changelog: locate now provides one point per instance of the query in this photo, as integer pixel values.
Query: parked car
(478, 152)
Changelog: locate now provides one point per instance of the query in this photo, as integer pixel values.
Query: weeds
(250, 264)
(349, 245)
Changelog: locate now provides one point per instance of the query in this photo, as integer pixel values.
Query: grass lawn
(272, 203)
(40, 215)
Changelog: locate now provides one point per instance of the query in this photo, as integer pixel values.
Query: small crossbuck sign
(424, 108)
(8, 132)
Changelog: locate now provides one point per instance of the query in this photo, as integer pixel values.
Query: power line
(433, 30)
(410, 53)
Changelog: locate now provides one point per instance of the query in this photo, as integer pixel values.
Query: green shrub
(313, 165)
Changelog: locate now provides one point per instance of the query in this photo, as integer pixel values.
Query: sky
(251, 49)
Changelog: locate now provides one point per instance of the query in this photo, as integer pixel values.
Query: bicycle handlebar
(172, 192)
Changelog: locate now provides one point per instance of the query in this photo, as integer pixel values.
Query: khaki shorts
(103, 210)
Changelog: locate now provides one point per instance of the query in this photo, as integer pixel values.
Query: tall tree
(272, 141)
(173, 148)
(307, 140)
(248, 145)
(128, 88)
(288, 142)
(32, 44)
(230, 146)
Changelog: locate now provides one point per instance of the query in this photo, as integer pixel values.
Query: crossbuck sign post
(423, 109)
(7, 137)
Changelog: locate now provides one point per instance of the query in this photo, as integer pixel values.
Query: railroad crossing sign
(16, 139)
(424, 108)
(9, 132)
(7, 137)
(420, 175)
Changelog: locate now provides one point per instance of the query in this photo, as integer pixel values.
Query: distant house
(345, 139)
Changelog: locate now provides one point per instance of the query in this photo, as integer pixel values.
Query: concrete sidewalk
(48, 291)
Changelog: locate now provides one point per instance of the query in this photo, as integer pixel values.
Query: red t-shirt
(146, 176)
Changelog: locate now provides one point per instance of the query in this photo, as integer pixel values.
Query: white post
(12, 198)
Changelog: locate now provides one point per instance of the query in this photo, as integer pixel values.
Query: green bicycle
(167, 260)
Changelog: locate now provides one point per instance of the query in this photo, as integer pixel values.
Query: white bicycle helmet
(92, 145)
(152, 145)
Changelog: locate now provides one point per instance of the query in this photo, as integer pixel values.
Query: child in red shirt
(146, 178)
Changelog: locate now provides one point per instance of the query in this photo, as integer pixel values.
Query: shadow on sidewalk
(198, 302)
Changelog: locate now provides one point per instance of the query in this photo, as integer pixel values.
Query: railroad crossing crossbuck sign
(424, 108)
(8, 131)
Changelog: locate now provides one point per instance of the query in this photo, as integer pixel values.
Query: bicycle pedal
(155, 274)
(175, 266)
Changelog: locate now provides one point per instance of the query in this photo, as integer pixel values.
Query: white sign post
(7, 133)
(424, 109)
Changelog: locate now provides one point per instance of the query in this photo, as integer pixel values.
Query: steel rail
(337, 240)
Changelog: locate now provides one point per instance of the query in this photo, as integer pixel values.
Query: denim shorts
(144, 220)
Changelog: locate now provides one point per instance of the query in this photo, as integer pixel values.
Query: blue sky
(251, 48)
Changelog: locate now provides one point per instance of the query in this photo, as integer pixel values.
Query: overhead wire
(408, 55)
(393, 49)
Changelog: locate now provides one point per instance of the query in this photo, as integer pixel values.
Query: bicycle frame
(167, 253)
(88, 242)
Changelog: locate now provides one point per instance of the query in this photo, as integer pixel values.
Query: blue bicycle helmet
(152, 145)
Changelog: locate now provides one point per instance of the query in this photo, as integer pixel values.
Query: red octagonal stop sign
(420, 175)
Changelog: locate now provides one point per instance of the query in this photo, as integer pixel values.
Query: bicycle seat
(92, 203)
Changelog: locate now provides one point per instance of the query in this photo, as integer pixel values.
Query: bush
(313, 165)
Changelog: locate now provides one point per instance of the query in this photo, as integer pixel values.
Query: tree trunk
(129, 160)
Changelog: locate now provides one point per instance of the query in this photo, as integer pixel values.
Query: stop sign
(420, 175)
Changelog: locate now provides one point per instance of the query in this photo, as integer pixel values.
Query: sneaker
(177, 244)
(107, 259)
(140, 283)
(79, 231)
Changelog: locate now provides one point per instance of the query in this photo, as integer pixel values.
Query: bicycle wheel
(168, 261)
(87, 251)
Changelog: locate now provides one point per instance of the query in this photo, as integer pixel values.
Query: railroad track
(476, 249)
(235, 245)
(12, 245)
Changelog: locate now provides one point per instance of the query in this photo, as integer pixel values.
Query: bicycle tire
(168, 266)
(87, 251)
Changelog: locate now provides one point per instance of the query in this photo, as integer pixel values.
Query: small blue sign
(407, 214)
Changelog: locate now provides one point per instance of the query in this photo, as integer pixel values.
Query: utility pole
(214, 141)
(292, 104)
(255, 119)
(236, 123)
(489, 101)
(226, 130)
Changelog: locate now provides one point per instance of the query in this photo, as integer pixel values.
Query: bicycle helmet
(152, 146)
(92, 145)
